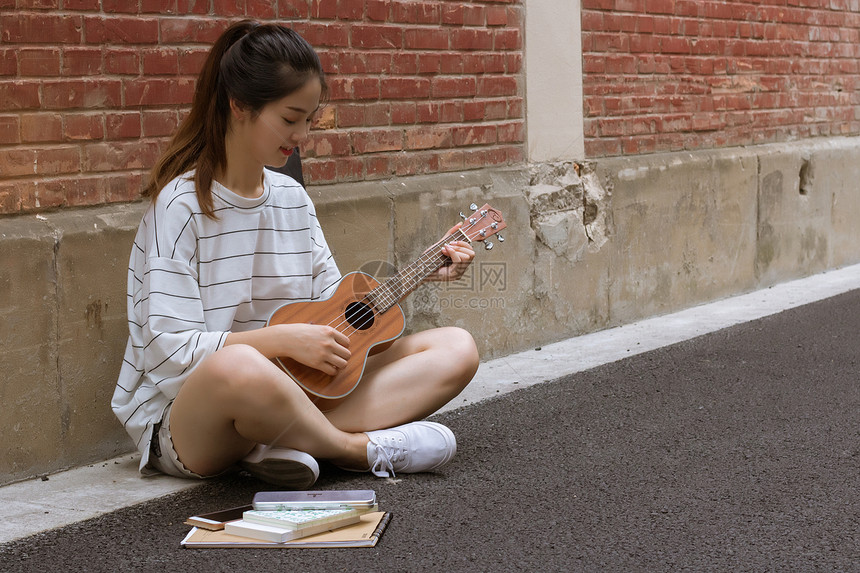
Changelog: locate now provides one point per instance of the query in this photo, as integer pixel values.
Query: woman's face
(283, 124)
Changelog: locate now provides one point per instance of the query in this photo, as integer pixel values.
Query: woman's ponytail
(251, 63)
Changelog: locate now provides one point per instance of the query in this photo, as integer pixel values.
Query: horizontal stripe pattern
(192, 280)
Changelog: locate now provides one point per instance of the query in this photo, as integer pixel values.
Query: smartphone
(287, 500)
(215, 520)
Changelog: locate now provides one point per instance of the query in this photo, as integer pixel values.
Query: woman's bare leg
(413, 378)
(237, 398)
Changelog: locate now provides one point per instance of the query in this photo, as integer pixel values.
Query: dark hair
(251, 63)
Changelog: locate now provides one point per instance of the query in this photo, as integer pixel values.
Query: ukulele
(368, 312)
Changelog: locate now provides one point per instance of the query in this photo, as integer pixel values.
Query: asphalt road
(735, 451)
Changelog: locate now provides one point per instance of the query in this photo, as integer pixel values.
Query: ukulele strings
(405, 280)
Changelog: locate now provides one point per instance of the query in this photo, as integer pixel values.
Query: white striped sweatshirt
(192, 280)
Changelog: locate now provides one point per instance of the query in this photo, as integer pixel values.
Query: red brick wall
(687, 74)
(90, 90)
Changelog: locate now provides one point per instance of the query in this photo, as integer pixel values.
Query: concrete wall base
(588, 246)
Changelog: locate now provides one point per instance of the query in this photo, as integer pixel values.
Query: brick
(122, 62)
(48, 194)
(50, 161)
(350, 9)
(367, 63)
(84, 126)
(292, 9)
(378, 37)
(160, 61)
(473, 15)
(75, 93)
(319, 171)
(191, 60)
(228, 8)
(8, 62)
(429, 63)
(122, 187)
(325, 145)
(471, 39)
(378, 10)
(354, 88)
(191, 30)
(474, 135)
(452, 63)
(497, 86)
(378, 167)
(10, 129)
(35, 4)
(511, 132)
(39, 61)
(81, 61)
(324, 9)
(404, 113)
(426, 39)
(38, 28)
(377, 114)
(81, 192)
(192, 6)
(82, 5)
(10, 196)
(350, 115)
(119, 155)
(448, 87)
(453, 14)
(41, 127)
(416, 12)
(19, 95)
(122, 125)
(377, 140)
(440, 112)
(350, 169)
(325, 118)
(497, 16)
(474, 63)
(482, 158)
(158, 7)
(415, 164)
(121, 30)
(158, 91)
(324, 35)
(453, 160)
(428, 138)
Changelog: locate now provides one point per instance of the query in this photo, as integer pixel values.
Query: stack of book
(348, 518)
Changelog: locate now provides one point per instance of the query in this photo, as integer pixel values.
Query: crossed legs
(237, 398)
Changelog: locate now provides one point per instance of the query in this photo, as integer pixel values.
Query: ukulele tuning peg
(488, 245)
(501, 238)
(473, 207)
(462, 216)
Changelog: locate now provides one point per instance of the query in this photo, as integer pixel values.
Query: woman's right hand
(318, 346)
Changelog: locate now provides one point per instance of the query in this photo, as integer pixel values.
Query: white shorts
(162, 456)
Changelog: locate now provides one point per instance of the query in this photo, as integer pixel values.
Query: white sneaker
(285, 467)
(411, 448)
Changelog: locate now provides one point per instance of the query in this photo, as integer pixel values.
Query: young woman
(222, 245)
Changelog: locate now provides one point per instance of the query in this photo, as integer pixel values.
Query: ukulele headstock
(483, 223)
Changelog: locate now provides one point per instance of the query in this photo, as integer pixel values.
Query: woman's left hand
(461, 255)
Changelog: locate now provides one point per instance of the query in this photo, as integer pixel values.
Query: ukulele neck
(397, 287)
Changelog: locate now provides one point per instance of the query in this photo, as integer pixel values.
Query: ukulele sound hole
(359, 315)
